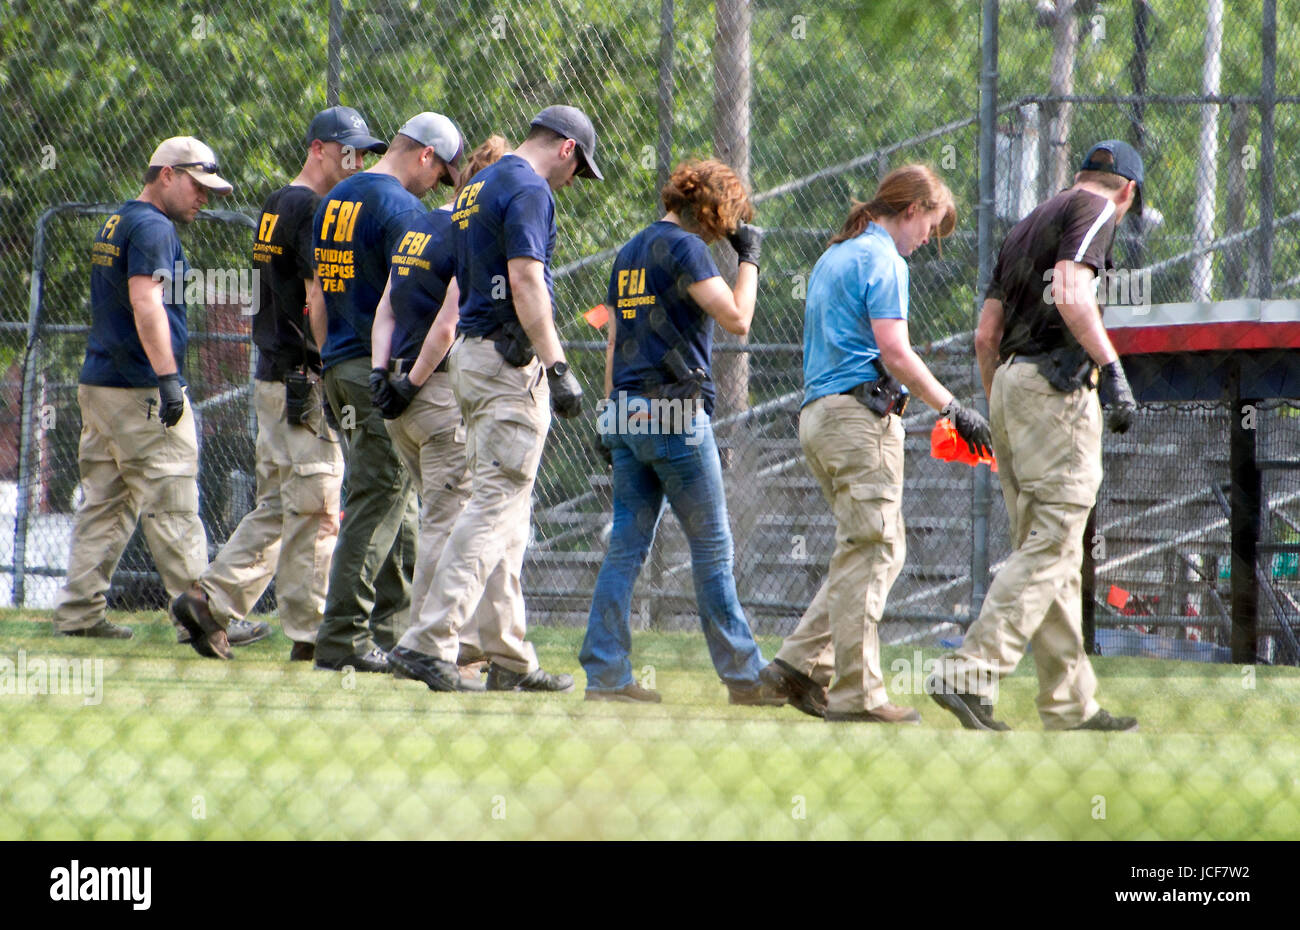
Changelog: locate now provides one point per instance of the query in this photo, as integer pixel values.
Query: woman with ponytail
(859, 370)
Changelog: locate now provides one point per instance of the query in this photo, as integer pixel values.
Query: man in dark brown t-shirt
(1040, 334)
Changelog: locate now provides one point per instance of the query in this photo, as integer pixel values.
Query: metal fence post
(981, 491)
(25, 437)
(1268, 91)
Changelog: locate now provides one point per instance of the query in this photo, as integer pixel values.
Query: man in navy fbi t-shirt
(358, 225)
(508, 371)
(139, 450)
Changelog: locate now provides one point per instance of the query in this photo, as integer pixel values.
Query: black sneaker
(243, 632)
(798, 689)
(1104, 722)
(302, 652)
(502, 679)
(434, 672)
(376, 660)
(631, 693)
(199, 629)
(104, 629)
(970, 710)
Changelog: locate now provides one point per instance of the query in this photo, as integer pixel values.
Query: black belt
(403, 366)
(1022, 357)
(882, 407)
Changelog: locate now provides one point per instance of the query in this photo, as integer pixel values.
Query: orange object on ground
(597, 316)
(947, 446)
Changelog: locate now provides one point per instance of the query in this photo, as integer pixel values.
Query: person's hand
(1116, 395)
(171, 399)
(747, 240)
(971, 426)
(566, 392)
(400, 394)
(380, 391)
(330, 420)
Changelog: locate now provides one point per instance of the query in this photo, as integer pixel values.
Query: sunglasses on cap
(208, 166)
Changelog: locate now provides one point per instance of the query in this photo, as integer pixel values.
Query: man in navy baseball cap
(1116, 157)
(572, 123)
(345, 126)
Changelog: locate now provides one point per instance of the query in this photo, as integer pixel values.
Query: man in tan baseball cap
(139, 454)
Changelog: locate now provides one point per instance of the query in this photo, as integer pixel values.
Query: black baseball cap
(345, 125)
(1116, 157)
(572, 123)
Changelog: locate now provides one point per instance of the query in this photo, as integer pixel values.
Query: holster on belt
(883, 396)
(687, 383)
(1067, 369)
(513, 344)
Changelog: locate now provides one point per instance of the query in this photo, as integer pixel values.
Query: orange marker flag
(947, 446)
(597, 316)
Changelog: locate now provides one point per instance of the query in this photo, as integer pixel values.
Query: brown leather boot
(207, 636)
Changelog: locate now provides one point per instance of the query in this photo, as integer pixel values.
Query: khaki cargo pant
(291, 532)
(430, 440)
(857, 458)
(369, 591)
(133, 469)
(1048, 446)
(507, 412)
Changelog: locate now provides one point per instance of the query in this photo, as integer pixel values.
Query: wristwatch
(559, 369)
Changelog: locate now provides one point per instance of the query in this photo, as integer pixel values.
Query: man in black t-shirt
(1040, 343)
(292, 531)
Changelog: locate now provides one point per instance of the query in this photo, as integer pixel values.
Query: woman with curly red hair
(665, 294)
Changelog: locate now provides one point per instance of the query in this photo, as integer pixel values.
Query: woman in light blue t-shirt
(859, 368)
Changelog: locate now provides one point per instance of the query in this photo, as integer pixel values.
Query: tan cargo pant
(291, 532)
(507, 412)
(430, 440)
(857, 458)
(133, 469)
(1048, 446)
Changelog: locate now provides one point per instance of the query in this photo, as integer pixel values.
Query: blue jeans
(685, 469)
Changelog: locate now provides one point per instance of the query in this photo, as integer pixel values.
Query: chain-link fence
(813, 103)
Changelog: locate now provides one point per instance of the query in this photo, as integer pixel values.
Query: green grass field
(186, 748)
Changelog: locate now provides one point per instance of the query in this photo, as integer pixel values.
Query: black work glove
(171, 399)
(1116, 394)
(566, 392)
(380, 392)
(971, 426)
(747, 240)
(330, 420)
(400, 394)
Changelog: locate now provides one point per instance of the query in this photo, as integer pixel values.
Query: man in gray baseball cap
(435, 131)
(572, 123)
(345, 126)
